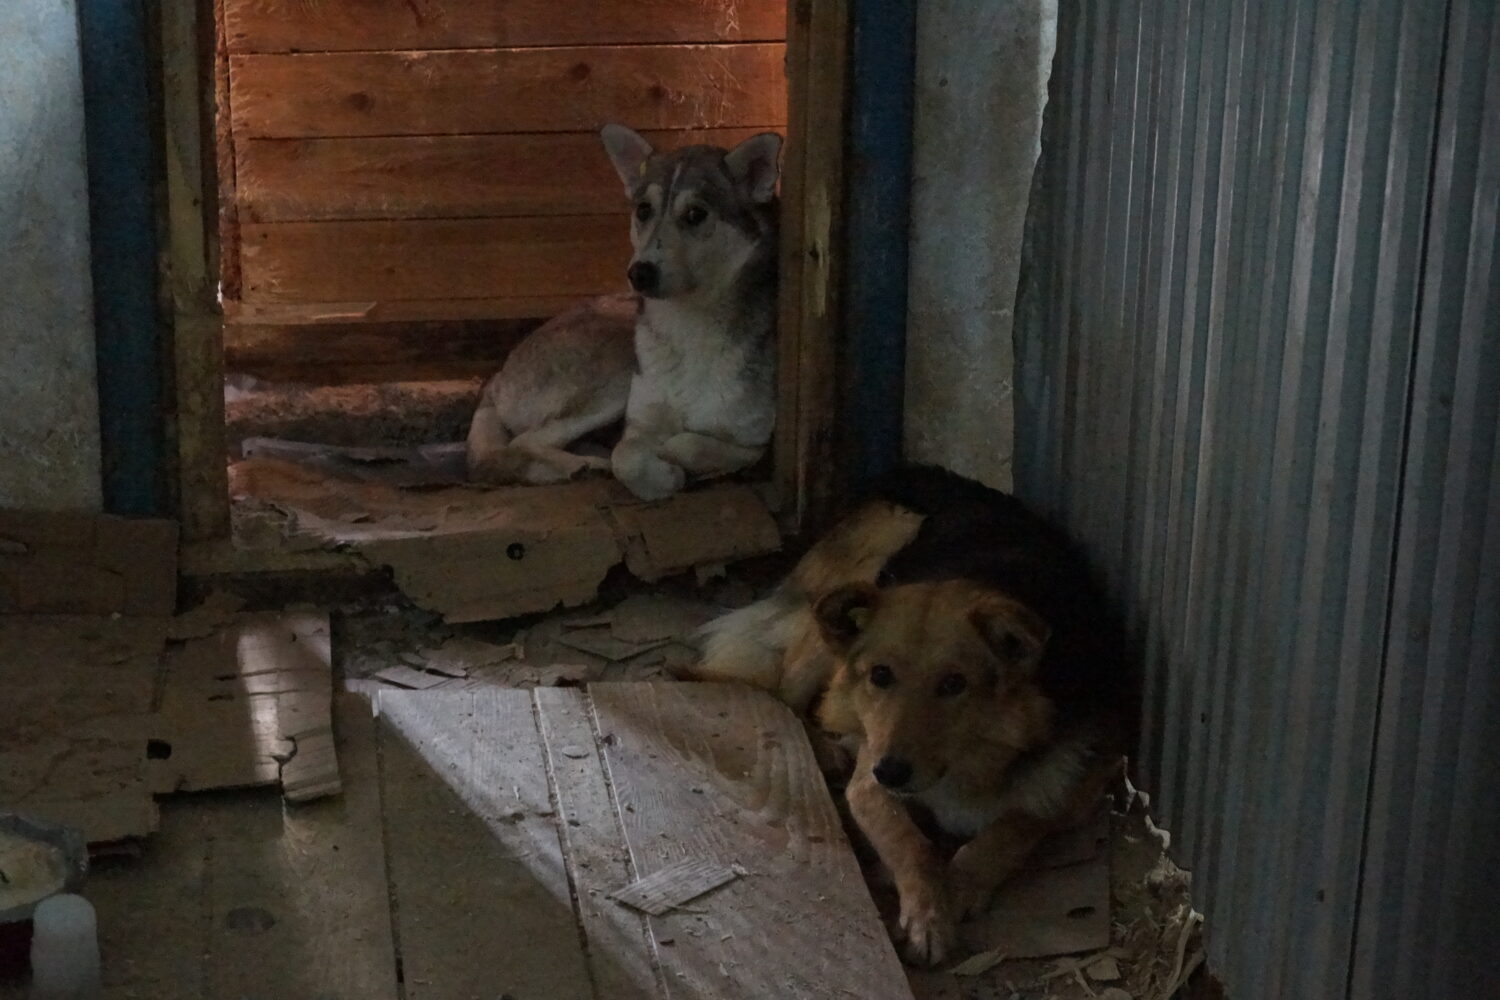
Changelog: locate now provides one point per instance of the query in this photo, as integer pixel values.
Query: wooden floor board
(482, 902)
(298, 898)
(621, 956)
(153, 913)
(724, 773)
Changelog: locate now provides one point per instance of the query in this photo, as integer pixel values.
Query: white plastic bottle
(65, 950)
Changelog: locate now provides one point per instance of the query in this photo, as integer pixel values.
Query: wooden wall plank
(397, 310)
(440, 177)
(296, 25)
(724, 773)
(372, 352)
(506, 90)
(433, 259)
(473, 847)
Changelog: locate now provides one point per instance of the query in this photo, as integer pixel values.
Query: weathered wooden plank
(440, 177)
(621, 954)
(506, 90)
(397, 311)
(787, 472)
(807, 469)
(298, 898)
(725, 774)
(197, 355)
(482, 901)
(296, 25)
(433, 259)
(228, 248)
(372, 352)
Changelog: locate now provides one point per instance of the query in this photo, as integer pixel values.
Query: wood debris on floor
(643, 637)
(474, 554)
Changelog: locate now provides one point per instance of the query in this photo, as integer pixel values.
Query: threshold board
(514, 817)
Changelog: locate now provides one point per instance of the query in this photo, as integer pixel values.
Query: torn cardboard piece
(1046, 912)
(605, 645)
(1070, 847)
(74, 721)
(647, 618)
(483, 554)
(717, 524)
(461, 656)
(216, 611)
(250, 705)
(666, 890)
(75, 563)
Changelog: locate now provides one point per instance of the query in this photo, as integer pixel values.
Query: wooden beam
(440, 177)
(202, 488)
(506, 90)
(299, 26)
(812, 262)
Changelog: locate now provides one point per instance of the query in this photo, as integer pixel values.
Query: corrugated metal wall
(1258, 372)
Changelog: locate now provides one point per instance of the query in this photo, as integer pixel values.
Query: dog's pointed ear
(1016, 634)
(842, 614)
(754, 165)
(628, 151)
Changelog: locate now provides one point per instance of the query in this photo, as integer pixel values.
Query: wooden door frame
(194, 82)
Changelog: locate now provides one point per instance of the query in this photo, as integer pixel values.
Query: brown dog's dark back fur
(972, 532)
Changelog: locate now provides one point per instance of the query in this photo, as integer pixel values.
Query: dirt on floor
(377, 414)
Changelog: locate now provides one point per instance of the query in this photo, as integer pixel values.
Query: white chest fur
(705, 370)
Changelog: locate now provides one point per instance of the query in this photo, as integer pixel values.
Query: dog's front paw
(927, 924)
(645, 474)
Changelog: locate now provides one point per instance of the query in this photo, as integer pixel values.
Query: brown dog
(954, 639)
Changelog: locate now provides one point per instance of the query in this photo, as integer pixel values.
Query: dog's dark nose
(644, 278)
(892, 772)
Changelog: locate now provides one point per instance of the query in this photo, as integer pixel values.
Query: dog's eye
(952, 685)
(694, 215)
(882, 676)
(643, 211)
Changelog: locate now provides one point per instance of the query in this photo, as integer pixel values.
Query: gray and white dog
(697, 390)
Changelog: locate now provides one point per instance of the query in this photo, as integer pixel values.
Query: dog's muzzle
(644, 277)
